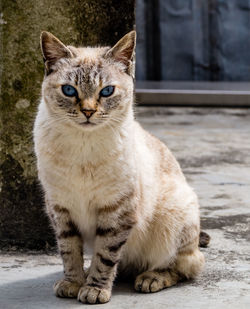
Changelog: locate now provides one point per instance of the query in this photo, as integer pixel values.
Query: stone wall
(23, 223)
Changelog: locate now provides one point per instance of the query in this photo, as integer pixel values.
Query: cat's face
(88, 87)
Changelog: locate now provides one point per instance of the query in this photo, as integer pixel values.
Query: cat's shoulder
(159, 149)
(151, 140)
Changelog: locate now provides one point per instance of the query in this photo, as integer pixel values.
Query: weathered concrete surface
(79, 22)
(213, 148)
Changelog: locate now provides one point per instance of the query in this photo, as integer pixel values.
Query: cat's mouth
(87, 123)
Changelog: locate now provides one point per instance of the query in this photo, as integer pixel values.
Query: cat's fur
(111, 184)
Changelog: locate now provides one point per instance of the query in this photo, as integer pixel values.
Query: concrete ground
(213, 147)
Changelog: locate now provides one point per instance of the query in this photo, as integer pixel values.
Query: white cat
(106, 180)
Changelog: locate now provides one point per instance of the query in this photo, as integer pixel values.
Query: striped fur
(110, 184)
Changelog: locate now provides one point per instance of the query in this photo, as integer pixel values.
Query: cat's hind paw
(153, 281)
(94, 295)
(66, 288)
(147, 284)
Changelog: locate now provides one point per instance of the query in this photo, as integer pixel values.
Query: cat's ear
(53, 50)
(123, 50)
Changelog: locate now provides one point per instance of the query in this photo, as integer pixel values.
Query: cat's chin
(87, 126)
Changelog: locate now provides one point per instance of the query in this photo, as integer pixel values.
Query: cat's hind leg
(188, 264)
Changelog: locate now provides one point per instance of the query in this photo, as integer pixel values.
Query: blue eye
(69, 91)
(107, 91)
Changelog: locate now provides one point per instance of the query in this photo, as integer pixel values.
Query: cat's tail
(204, 239)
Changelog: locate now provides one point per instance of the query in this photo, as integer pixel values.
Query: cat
(107, 182)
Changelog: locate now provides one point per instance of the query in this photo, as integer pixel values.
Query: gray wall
(193, 40)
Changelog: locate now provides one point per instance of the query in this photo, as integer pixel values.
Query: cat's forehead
(88, 68)
(88, 53)
(85, 72)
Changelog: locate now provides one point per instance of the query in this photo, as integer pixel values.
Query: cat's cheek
(112, 102)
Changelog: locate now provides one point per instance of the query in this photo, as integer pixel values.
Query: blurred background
(193, 40)
(190, 53)
(193, 43)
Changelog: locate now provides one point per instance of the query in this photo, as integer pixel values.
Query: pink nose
(88, 112)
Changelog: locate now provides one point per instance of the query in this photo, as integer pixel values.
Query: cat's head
(88, 87)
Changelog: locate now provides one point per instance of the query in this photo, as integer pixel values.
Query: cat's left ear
(53, 50)
(123, 51)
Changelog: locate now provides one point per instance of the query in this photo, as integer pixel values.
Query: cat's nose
(88, 112)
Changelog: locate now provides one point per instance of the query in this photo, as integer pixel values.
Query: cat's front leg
(70, 245)
(113, 227)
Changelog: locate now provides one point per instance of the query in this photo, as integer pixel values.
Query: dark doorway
(199, 40)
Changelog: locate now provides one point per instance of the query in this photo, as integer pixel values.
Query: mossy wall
(23, 222)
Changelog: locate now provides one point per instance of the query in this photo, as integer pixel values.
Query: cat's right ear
(123, 51)
(52, 50)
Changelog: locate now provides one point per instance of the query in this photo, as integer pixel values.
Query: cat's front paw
(66, 288)
(94, 295)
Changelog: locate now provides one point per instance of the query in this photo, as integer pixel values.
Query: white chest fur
(82, 171)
